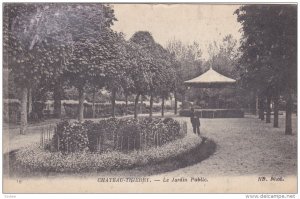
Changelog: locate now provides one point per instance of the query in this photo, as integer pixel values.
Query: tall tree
(164, 78)
(28, 29)
(116, 71)
(157, 67)
(89, 27)
(270, 51)
(143, 66)
(92, 59)
(188, 63)
(17, 58)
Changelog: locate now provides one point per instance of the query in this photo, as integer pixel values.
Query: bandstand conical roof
(209, 79)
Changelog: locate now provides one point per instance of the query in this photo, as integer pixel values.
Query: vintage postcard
(149, 98)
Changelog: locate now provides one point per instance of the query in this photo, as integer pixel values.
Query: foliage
(43, 42)
(32, 55)
(93, 130)
(35, 159)
(223, 58)
(188, 62)
(91, 58)
(70, 137)
(269, 50)
(157, 70)
(11, 112)
(141, 61)
(133, 134)
(269, 55)
(115, 134)
(101, 110)
(172, 125)
(161, 68)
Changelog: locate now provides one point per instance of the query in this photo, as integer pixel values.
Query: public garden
(81, 98)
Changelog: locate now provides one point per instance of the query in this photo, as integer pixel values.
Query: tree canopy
(268, 64)
(268, 46)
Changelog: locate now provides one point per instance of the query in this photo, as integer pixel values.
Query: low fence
(11, 111)
(109, 142)
(141, 141)
(46, 135)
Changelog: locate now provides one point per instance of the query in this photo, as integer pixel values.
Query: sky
(186, 22)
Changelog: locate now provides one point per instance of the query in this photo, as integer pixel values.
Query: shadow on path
(196, 155)
(206, 148)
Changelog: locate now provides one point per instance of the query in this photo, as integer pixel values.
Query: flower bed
(36, 159)
(115, 134)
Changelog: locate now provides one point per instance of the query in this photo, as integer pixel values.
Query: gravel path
(246, 146)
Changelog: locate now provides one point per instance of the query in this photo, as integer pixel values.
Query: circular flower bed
(37, 159)
(114, 134)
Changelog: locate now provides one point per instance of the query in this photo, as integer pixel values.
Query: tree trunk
(288, 116)
(93, 105)
(261, 109)
(151, 104)
(113, 102)
(141, 107)
(57, 100)
(29, 111)
(268, 115)
(162, 106)
(135, 105)
(256, 105)
(276, 111)
(81, 104)
(24, 94)
(126, 103)
(175, 105)
(183, 101)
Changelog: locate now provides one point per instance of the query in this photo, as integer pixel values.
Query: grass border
(32, 159)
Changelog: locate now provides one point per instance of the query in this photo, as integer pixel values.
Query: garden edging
(35, 159)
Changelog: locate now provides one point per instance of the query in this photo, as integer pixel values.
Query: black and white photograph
(149, 98)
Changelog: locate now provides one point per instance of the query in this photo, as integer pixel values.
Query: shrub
(95, 135)
(115, 134)
(70, 137)
(173, 127)
(130, 137)
(33, 158)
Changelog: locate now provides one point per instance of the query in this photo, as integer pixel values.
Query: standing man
(195, 122)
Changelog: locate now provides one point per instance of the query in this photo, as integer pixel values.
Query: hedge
(104, 110)
(125, 134)
(217, 113)
(70, 137)
(35, 159)
(12, 111)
